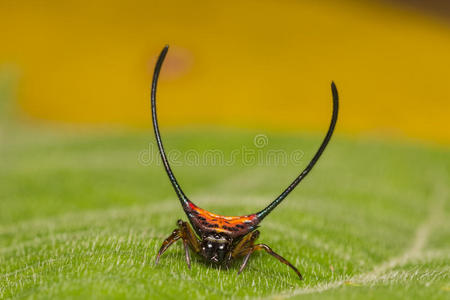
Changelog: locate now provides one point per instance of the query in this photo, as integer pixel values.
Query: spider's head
(215, 247)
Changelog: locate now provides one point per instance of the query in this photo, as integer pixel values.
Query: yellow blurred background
(245, 64)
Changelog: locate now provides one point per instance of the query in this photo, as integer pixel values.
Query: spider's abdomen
(204, 222)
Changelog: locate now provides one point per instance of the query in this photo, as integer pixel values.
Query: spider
(221, 239)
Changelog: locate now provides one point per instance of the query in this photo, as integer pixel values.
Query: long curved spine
(263, 213)
(183, 199)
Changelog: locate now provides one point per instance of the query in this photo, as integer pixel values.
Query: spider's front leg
(187, 235)
(246, 247)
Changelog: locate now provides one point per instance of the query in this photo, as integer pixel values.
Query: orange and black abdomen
(204, 221)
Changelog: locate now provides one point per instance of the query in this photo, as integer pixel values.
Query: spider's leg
(271, 252)
(187, 233)
(190, 240)
(245, 261)
(244, 245)
(167, 243)
(186, 253)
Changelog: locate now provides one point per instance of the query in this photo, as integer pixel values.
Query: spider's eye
(221, 247)
(210, 246)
